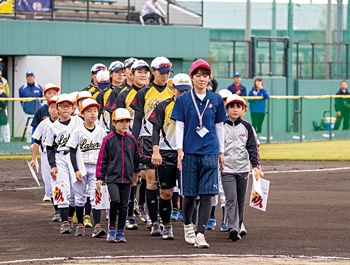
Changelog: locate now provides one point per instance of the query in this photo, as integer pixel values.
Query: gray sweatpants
(235, 188)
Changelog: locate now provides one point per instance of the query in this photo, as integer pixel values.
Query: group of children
(123, 129)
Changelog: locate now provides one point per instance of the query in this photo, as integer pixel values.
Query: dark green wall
(101, 40)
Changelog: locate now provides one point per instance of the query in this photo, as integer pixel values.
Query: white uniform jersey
(88, 142)
(58, 133)
(41, 131)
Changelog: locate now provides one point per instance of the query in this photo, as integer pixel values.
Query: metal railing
(131, 16)
(267, 57)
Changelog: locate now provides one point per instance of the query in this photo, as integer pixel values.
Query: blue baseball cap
(237, 74)
(0, 68)
(30, 73)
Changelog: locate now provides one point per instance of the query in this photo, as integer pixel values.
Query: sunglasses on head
(118, 65)
(164, 65)
(129, 61)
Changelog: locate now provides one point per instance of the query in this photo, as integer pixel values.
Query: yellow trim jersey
(161, 117)
(110, 104)
(146, 100)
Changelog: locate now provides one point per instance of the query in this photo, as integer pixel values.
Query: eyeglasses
(164, 65)
(65, 106)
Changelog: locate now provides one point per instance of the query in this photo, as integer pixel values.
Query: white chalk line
(178, 256)
(28, 188)
(265, 172)
(306, 170)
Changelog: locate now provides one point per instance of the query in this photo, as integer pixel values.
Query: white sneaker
(189, 234)
(46, 198)
(200, 241)
(243, 231)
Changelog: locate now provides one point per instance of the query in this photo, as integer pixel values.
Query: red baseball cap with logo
(199, 63)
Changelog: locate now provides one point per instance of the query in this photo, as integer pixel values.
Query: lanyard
(200, 116)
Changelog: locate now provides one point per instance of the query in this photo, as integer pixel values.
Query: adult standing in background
(237, 87)
(151, 7)
(30, 89)
(6, 133)
(342, 107)
(258, 106)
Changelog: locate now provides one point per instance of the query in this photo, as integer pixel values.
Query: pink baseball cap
(199, 63)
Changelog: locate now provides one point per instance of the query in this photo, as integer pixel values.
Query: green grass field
(308, 151)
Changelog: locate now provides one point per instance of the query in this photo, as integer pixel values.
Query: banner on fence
(34, 5)
(5, 6)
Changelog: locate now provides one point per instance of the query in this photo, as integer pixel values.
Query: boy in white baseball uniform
(56, 139)
(88, 137)
(39, 136)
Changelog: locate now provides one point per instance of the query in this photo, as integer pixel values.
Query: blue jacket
(258, 105)
(30, 91)
(233, 89)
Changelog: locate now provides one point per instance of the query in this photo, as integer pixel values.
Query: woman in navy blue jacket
(258, 106)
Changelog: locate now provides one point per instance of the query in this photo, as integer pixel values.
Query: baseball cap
(0, 68)
(83, 95)
(64, 98)
(30, 73)
(235, 98)
(121, 114)
(88, 103)
(182, 82)
(237, 74)
(115, 66)
(103, 79)
(129, 62)
(74, 95)
(138, 64)
(225, 93)
(49, 86)
(162, 64)
(199, 63)
(98, 67)
(52, 100)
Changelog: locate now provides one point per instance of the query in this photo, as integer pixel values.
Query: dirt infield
(307, 215)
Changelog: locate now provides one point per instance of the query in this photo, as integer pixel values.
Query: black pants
(257, 120)
(119, 194)
(345, 116)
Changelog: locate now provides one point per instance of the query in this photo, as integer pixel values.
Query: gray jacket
(241, 146)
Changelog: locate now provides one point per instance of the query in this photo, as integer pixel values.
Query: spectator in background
(152, 8)
(30, 90)
(3, 114)
(258, 106)
(342, 107)
(6, 133)
(212, 84)
(237, 87)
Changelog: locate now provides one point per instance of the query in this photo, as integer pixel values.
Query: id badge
(202, 131)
